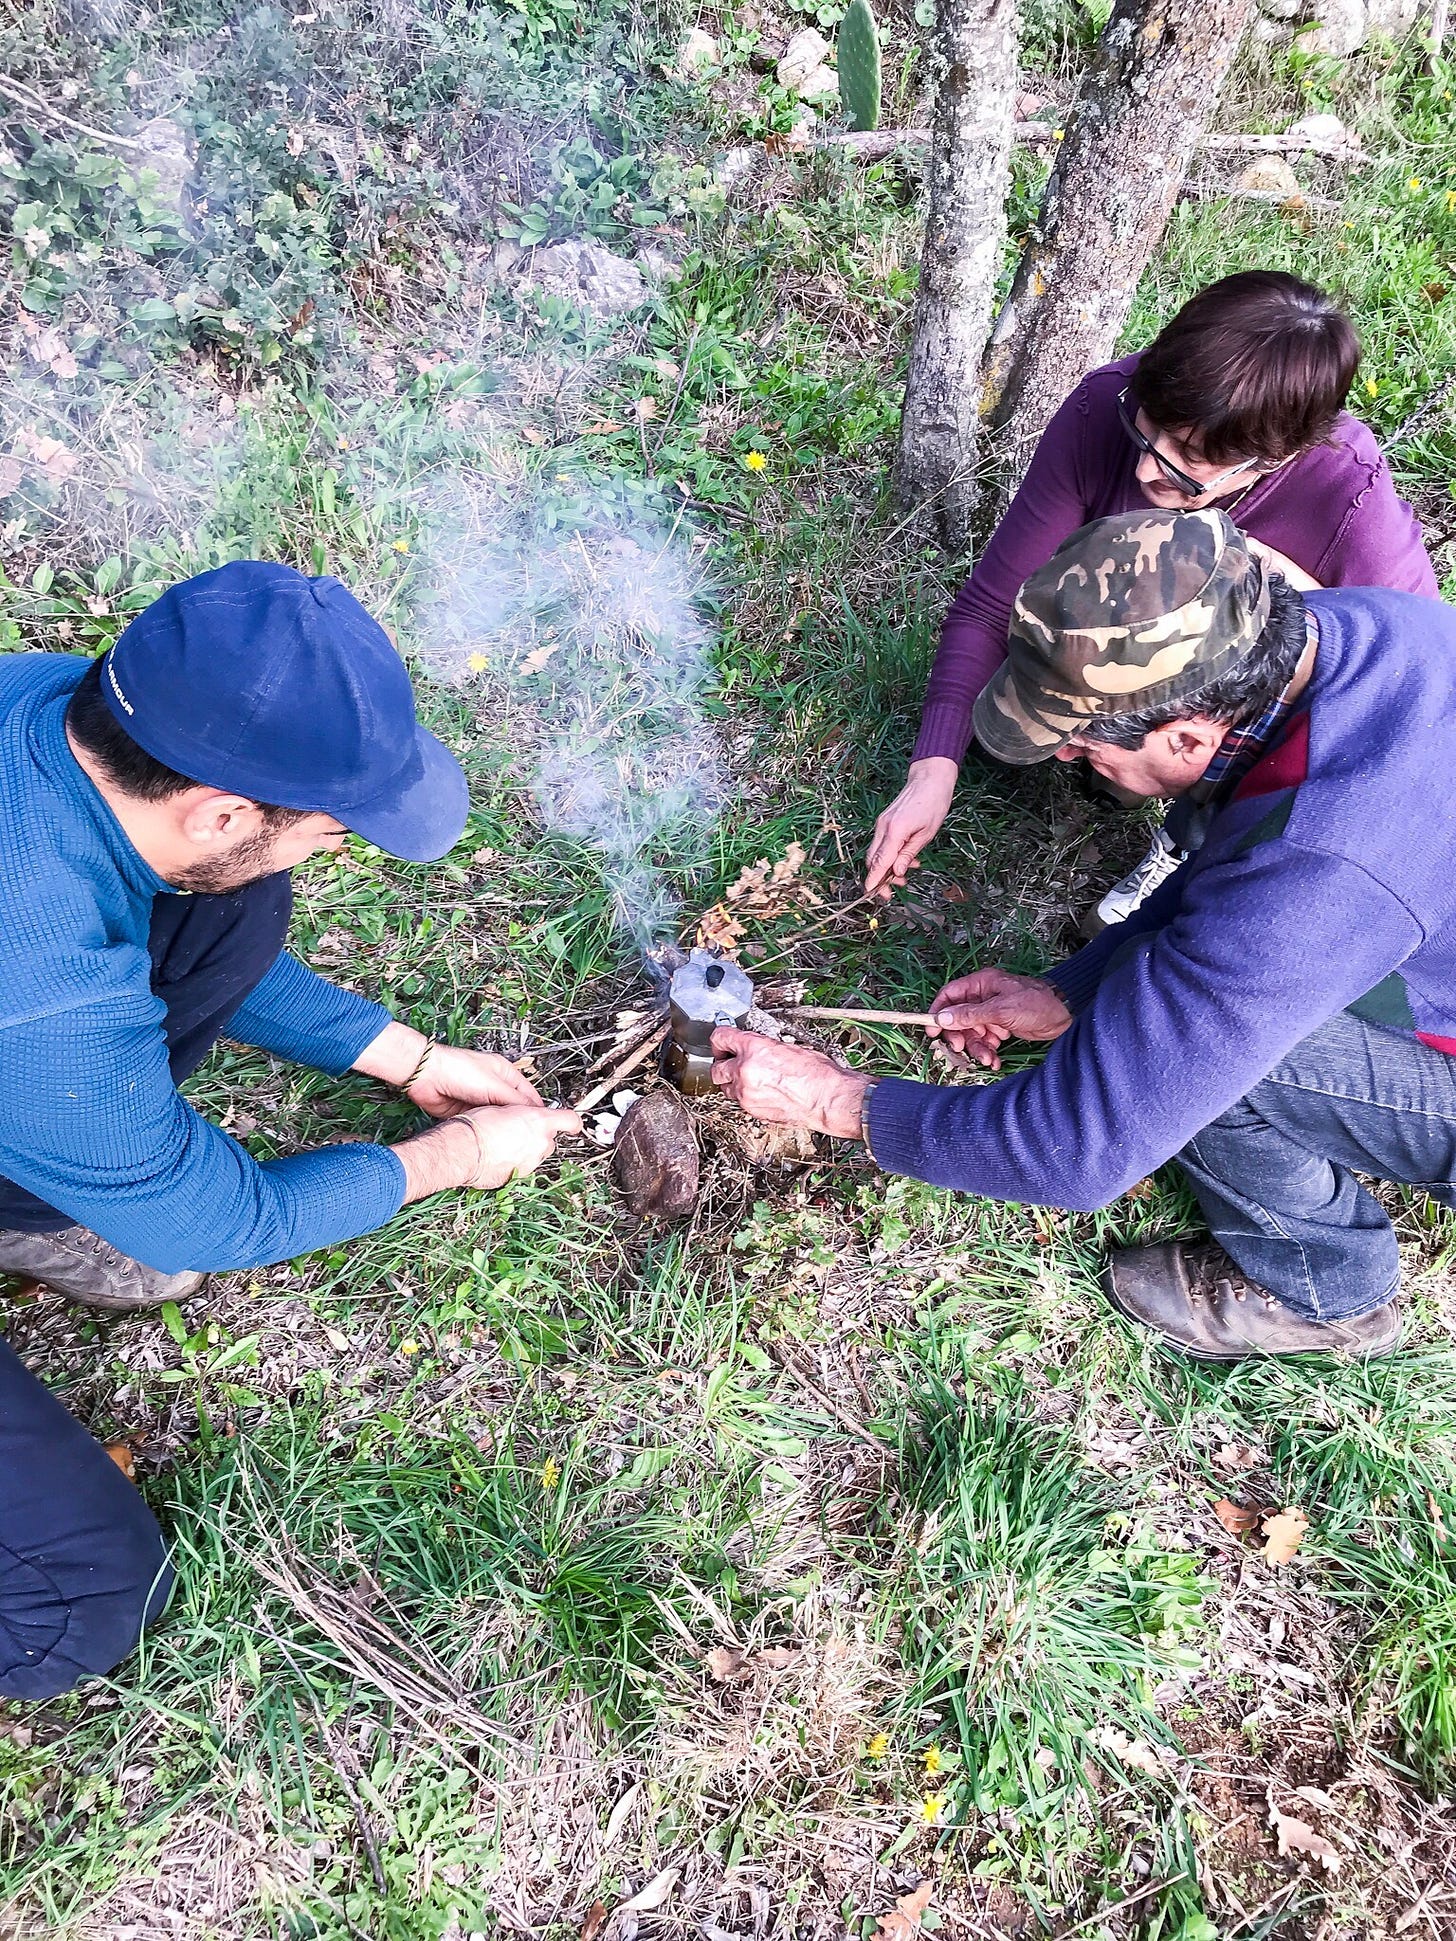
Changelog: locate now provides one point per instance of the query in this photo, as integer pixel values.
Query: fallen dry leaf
(1235, 1519)
(719, 931)
(1236, 1455)
(1437, 1523)
(778, 1657)
(654, 1893)
(1297, 1836)
(790, 863)
(602, 429)
(904, 1918)
(51, 455)
(782, 1145)
(725, 1661)
(1136, 1755)
(1283, 1534)
(121, 1455)
(645, 408)
(594, 1921)
(538, 657)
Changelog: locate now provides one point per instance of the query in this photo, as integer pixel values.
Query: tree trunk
(1139, 113)
(973, 51)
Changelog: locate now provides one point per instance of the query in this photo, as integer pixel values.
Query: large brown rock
(655, 1158)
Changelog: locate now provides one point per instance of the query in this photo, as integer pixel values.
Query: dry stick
(613, 1078)
(36, 105)
(626, 1041)
(798, 936)
(1130, 1900)
(849, 1015)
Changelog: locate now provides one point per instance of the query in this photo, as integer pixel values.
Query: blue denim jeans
(1274, 1173)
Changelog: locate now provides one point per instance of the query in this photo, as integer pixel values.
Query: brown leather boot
(1194, 1299)
(85, 1268)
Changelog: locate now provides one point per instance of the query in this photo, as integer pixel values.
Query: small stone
(1343, 26)
(1327, 130)
(1271, 175)
(696, 53)
(805, 53)
(735, 168)
(589, 275)
(1391, 18)
(819, 86)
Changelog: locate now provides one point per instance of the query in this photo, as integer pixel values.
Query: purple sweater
(1332, 510)
(1325, 884)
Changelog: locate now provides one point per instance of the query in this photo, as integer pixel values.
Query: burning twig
(614, 1078)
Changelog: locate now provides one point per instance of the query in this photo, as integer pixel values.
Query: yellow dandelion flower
(401, 545)
(878, 1746)
(477, 663)
(1451, 198)
(409, 1347)
(934, 1763)
(931, 1808)
(550, 1473)
(754, 461)
(343, 444)
(1414, 183)
(1059, 134)
(1372, 385)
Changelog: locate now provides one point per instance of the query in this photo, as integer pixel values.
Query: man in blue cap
(156, 801)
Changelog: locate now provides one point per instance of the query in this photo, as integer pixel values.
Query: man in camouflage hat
(1281, 1013)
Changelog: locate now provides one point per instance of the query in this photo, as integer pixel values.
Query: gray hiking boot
(1194, 1299)
(85, 1268)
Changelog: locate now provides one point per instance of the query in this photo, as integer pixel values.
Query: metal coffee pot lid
(708, 991)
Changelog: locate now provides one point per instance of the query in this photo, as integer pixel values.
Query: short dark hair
(1240, 695)
(1258, 364)
(127, 765)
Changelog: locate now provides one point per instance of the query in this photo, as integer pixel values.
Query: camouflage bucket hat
(1130, 612)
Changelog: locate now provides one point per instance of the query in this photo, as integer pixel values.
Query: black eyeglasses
(1174, 474)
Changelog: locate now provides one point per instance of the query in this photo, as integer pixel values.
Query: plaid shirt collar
(1241, 747)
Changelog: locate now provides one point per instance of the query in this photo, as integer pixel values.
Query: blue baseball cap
(256, 678)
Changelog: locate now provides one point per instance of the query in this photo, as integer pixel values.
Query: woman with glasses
(1237, 402)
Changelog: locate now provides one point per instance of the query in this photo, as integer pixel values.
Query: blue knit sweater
(1327, 883)
(89, 1117)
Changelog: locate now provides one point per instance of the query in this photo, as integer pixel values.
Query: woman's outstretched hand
(910, 822)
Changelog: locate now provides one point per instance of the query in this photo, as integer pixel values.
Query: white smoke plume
(594, 627)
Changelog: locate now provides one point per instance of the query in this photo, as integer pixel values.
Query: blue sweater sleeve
(298, 1015)
(1263, 950)
(91, 1122)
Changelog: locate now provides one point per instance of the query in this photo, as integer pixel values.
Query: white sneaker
(1138, 885)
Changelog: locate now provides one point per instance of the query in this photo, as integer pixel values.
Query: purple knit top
(1333, 511)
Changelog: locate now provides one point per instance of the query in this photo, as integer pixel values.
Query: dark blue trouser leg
(208, 953)
(83, 1566)
(1273, 1174)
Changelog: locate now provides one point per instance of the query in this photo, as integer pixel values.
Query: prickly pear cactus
(858, 54)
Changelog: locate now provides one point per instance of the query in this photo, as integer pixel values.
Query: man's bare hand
(785, 1085)
(908, 824)
(483, 1146)
(977, 1014)
(514, 1139)
(451, 1080)
(454, 1079)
